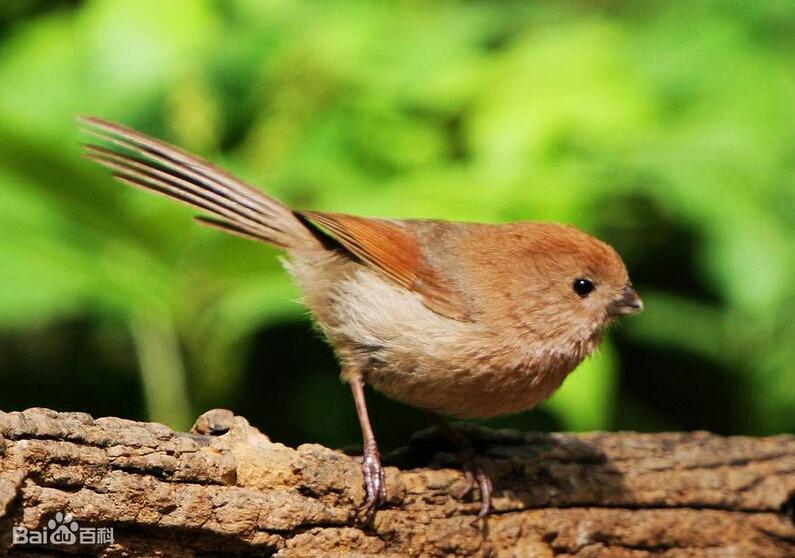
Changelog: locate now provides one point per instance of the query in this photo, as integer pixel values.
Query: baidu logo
(63, 530)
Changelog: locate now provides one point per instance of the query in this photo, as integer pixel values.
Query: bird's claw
(374, 484)
(473, 473)
(469, 484)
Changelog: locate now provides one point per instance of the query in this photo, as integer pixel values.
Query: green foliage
(667, 128)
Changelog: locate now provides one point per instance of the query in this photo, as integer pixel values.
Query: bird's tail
(236, 207)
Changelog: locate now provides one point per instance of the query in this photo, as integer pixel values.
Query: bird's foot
(474, 474)
(374, 483)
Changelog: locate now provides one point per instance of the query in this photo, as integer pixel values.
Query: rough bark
(225, 489)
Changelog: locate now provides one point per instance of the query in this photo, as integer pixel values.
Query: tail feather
(138, 173)
(172, 172)
(229, 227)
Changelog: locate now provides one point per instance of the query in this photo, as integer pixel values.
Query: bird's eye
(583, 287)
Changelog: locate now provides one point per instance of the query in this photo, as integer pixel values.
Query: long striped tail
(235, 206)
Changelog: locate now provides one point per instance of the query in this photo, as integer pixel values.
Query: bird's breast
(421, 358)
(469, 385)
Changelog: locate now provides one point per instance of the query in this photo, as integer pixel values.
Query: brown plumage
(459, 319)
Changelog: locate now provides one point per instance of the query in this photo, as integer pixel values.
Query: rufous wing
(394, 253)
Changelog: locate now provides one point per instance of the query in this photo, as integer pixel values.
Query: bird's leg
(472, 470)
(374, 481)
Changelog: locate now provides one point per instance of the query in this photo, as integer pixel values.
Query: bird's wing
(395, 253)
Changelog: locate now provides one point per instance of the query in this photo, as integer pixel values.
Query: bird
(459, 319)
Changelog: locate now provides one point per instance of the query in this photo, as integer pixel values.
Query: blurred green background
(665, 128)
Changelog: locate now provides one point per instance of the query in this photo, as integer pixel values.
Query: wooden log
(227, 490)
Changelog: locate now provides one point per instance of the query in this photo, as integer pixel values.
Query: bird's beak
(629, 303)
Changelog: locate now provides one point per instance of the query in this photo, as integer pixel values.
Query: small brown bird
(458, 319)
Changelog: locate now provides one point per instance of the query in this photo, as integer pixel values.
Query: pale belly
(467, 388)
(387, 336)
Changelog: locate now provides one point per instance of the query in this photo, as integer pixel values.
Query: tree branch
(226, 489)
